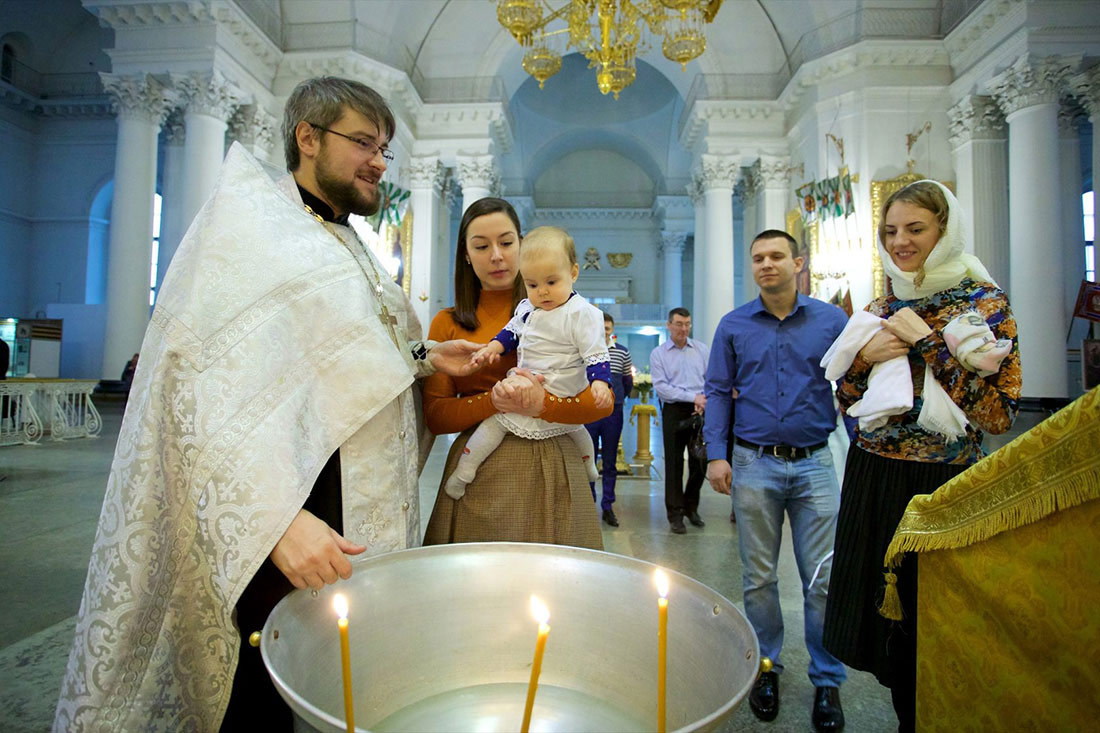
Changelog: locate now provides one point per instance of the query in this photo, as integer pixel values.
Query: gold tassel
(891, 601)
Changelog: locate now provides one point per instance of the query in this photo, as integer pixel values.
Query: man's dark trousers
(605, 434)
(680, 500)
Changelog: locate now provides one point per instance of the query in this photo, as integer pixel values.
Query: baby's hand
(602, 395)
(485, 356)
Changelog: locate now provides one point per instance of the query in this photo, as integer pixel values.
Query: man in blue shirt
(606, 431)
(678, 367)
(769, 350)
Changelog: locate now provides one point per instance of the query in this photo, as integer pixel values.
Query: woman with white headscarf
(947, 317)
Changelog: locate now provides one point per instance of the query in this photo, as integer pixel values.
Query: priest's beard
(342, 195)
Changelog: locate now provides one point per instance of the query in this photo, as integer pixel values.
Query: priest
(272, 431)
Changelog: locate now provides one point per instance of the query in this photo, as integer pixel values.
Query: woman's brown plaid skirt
(525, 491)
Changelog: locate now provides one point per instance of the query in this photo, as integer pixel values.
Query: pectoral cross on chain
(389, 321)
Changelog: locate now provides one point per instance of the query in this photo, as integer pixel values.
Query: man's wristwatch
(420, 349)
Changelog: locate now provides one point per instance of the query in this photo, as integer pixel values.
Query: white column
(698, 285)
(672, 288)
(142, 104)
(254, 128)
(749, 192)
(209, 101)
(171, 219)
(981, 175)
(1073, 215)
(426, 175)
(442, 253)
(478, 176)
(1028, 93)
(774, 192)
(719, 175)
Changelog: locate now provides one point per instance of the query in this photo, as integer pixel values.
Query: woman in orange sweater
(527, 490)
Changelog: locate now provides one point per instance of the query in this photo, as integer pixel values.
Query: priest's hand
(453, 357)
(310, 553)
(521, 393)
(720, 476)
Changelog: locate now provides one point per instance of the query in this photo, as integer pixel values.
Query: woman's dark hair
(467, 284)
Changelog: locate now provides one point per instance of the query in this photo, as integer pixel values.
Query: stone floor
(50, 496)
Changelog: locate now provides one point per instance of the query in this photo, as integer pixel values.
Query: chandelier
(610, 34)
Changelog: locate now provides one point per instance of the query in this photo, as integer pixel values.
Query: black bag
(697, 447)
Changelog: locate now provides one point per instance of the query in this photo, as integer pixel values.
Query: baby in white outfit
(559, 335)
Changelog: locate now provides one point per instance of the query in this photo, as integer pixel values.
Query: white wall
(16, 232)
(610, 230)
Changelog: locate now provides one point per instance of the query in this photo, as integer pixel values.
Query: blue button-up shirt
(678, 373)
(775, 366)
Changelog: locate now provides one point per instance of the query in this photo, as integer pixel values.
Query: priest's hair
(322, 100)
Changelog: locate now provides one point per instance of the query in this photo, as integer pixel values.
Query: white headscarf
(947, 264)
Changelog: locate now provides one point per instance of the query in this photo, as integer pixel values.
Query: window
(1088, 204)
(156, 250)
(7, 63)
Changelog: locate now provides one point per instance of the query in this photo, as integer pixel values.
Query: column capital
(1032, 81)
(1071, 115)
(426, 171)
(746, 188)
(773, 171)
(672, 243)
(175, 133)
(450, 191)
(718, 171)
(1086, 87)
(253, 125)
(138, 97)
(208, 94)
(695, 189)
(479, 171)
(975, 117)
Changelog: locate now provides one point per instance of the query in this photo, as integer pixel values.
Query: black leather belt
(786, 452)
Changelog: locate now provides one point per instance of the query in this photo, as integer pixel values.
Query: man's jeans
(763, 487)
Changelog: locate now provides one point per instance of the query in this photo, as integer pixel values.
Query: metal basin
(442, 638)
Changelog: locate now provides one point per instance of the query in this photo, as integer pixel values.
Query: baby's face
(549, 280)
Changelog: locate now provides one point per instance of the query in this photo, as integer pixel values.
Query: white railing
(19, 421)
(65, 404)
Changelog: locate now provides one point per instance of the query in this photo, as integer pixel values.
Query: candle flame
(539, 610)
(661, 579)
(340, 605)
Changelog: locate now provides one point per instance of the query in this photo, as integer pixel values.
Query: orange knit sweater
(452, 404)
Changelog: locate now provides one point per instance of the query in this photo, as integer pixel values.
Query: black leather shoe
(764, 698)
(677, 525)
(696, 520)
(610, 518)
(828, 715)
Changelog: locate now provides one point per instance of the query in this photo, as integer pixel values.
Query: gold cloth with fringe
(1008, 629)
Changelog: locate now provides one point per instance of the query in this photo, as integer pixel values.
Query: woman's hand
(883, 346)
(908, 326)
(521, 393)
(602, 394)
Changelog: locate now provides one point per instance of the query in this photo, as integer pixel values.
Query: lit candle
(662, 645)
(340, 604)
(542, 615)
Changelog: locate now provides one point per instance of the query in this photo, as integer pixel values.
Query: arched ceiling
(442, 44)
